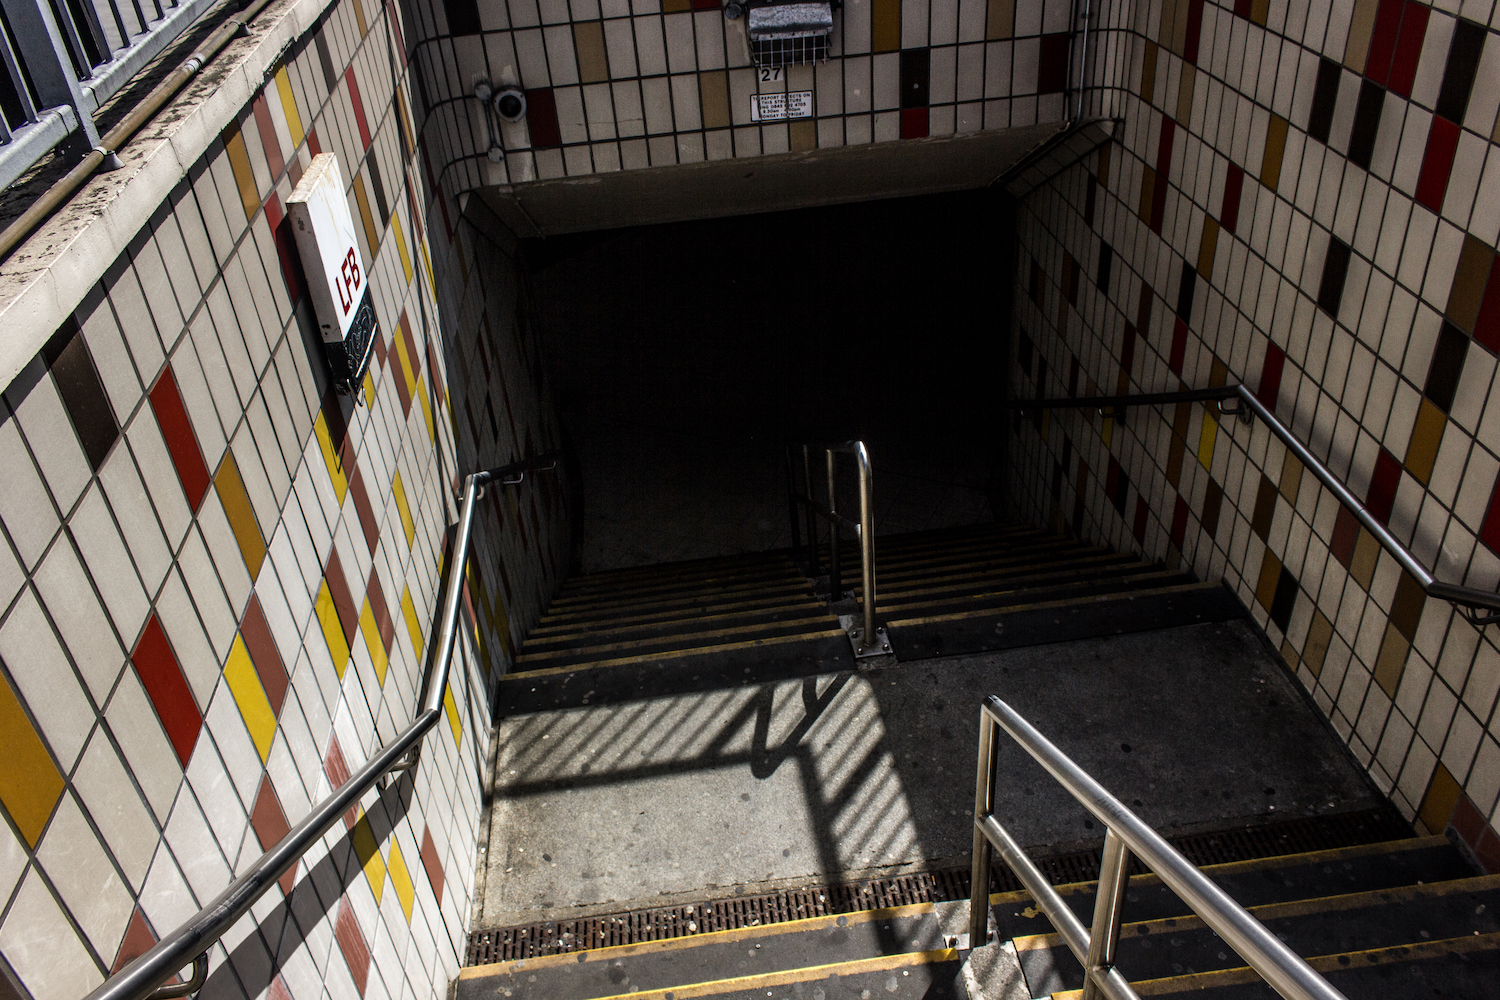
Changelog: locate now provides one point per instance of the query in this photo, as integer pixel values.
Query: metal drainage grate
(1295, 836)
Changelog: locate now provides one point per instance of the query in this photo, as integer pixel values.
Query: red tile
(1164, 146)
(1383, 484)
(1179, 346)
(1437, 163)
(1158, 202)
(1229, 210)
(269, 822)
(182, 443)
(1179, 521)
(1269, 388)
(1383, 41)
(352, 944)
(913, 123)
(1127, 350)
(367, 522)
(264, 654)
(437, 383)
(268, 139)
(376, 596)
(1194, 31)
(1345, 536)
(313, 146)
(1112, 478)
(343, 600)
(286, 248)
(1141, 511)
(359, 109)
(397, 36)
(1488, 851)
(1075, 369)
(1487, 324)
(161, 676)
(541, 119)
(138, 940)
(1468, 822)
(1052, 63)
(1242, 8)
(337, 770)
(1408, 47)
(278, 989)
(433, 864)
(1090, 196)
(1489, 533)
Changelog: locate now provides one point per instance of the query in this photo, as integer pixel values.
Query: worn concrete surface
(696, 794)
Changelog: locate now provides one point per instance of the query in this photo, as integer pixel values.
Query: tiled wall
(1305, 198)
(624, 84)
(217, 579)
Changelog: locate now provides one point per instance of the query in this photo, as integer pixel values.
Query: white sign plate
(324, 231)
(779, 107)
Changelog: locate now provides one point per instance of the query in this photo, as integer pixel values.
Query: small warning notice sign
(779, 107)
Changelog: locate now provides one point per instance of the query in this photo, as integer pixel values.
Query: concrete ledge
(48, 275)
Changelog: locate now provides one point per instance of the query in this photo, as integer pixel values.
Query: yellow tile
(803, 135)
(399, 492)
(1361, 27)
(1148, 193)
(244, 177)
(1391, 663)
(1469, 279)
(368, 852)
(250, 696)
(1207, 247)
(1291, 477)
(1208, 437)
(1315, 650)
(331, 458)
(427, 265)
(401, 246)
(236, 502)
(1426, 436)
(1270, 162)
(1259, 11)
(359, 16)
(30, 783)
(1270, 575)
(451, 708)
(676, 6)
(1107, 432)
(588, 45)
(405, 365)
(368, 388)
(1440, 800)
(289, 107)
(333, 629)
(885, 25)
(1185, 93)
(401, 879)
(1000, 20)
(413, 626)
(426, 411)
(713, 95)
(372, 235)
(371, 632)
(1366, 556)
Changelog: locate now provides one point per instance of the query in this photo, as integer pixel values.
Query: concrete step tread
(785, 587)
(817, 621)
(656, 590)
(985, 593)
(520, 675)
(664, 624)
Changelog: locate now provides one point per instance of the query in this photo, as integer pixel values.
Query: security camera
(510, 103)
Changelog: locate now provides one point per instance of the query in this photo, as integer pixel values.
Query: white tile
(49, 434)
(46, 681)
(43, 949)
(83, 876)
(125, 821)
(25, 505)
(109, 564)
(148, 755)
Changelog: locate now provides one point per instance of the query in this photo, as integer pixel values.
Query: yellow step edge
(1294, 908)
(1096, 599)
(732, 936)
(719, 987)
(668, 618)
(1421, 951)
(678, 654)
(611, 647)
(884, 596)
(1250, 864)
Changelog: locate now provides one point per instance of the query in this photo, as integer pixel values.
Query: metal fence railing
(60, 60)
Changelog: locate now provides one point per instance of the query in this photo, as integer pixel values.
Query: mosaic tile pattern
(1303, 198)
(217, 578)
(624, 84)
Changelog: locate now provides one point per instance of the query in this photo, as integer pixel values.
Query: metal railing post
(867, 541)
(812, 517)
(1109, 905)
(984, 802)
(51, 67)
(835, 578)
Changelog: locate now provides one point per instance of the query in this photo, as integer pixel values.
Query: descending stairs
(1397, 920)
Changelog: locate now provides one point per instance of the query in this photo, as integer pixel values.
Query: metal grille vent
(506, 944)
(789, 51)
(788, 33)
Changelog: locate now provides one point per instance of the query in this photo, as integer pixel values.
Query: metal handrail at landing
(868, 638)
(1281, 968)
(189, 944)
(1470, 600)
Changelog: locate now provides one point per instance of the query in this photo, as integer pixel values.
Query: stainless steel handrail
(188, 944)
(1468, 598)
(868, 640)
(1281, 967)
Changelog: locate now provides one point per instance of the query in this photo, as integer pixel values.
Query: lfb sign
(336, 277)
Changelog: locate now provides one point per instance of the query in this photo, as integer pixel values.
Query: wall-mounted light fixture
(785, 32)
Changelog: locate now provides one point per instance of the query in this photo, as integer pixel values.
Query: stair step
(1463, 968)
(670, 653)
(702, 608)
(642, 604)
(1256, 882)
(1328, 925)
(727, 963)
(675, 640)
(681, 622)
(946, 596)
(649, 590)
(625, 575)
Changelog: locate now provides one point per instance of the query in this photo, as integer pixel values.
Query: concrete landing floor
(751, 788)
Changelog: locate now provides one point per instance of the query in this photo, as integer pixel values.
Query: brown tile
(82, 392)
(1391, 663)
(1468, 283)
(1174, 460)
(1270, 162)
(1442, 795)
(1315, 649)
(1260, 11)
(264, 654)
(1265, 508)
(1000, 20)
(676, 6)
(1185, 93)
(803, 135)
(269, 822)
(1148, 191)
(1291, 478)
(1345, 534)
(1218, 374)
(432, 864)
(1426, 435)
(1182, 419)
(1361, 25)
(1468, 822)
(713, 91)
(1406, 607)
(1213, 503)
(1289, 655)
(137, 941)
(1270, 576)
(1366, 555)
(1104, 163)
(588, 42)
(1148, 73)
(885, 25)
(1207, 246)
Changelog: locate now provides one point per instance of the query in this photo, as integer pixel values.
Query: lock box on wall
(336, 276)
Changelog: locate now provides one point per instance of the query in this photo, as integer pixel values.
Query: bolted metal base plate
(880, 645)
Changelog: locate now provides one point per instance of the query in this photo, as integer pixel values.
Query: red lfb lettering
(349, 271)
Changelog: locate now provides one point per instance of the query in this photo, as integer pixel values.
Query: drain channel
(504, 944)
